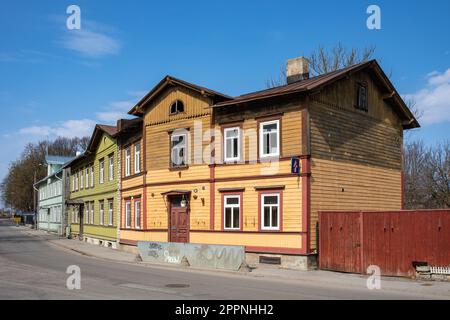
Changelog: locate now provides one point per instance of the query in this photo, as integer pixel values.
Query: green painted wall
(108, 190)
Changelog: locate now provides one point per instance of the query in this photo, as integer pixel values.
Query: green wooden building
(94, 185)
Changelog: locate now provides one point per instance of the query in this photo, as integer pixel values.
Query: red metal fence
(392, 240)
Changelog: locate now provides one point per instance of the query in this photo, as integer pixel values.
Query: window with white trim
(137, 158)
(231, 212)
(92, 176)
(232, 144)
(92, 213)
(76, 181)
(269, 139)
(81, 179)
(86, 215)
(110, 212)
(178, 150)
(111, 167)
(102, 212)
(137, 214)
(127, 162)
(128, 214)
(270, 211)
(87, 178)
(102, 171)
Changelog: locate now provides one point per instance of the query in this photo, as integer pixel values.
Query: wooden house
(256, 169)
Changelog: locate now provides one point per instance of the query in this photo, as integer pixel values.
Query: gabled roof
(317, 82)
(57, 159)
(96, 135)
(168, 81)
(123, 125)
(63, 160)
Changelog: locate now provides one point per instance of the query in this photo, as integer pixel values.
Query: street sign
(295, 165)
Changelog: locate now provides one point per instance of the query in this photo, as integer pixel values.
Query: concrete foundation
(295, 262)
(101, 242)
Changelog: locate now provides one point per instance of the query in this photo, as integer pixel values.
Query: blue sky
(57, 81)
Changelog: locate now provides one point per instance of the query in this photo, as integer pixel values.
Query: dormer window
(176, 107)
(361, 99)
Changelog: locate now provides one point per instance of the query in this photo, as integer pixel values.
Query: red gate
(394, 240)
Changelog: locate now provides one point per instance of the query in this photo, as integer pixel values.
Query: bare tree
(322, 60)
(17, 187)
(426, 176)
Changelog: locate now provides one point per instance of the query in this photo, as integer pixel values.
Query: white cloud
(69, 129)
(116, 110)
(89, 43)
(434, 99)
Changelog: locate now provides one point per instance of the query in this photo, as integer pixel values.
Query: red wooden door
(179, 221)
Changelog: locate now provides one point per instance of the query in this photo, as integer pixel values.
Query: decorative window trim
(261, 196)
(128, 214)
(110, 212)
(261, 124)
(101, 171)
(239, 144)
(177, 101)
(92, 176)
(238, 195)
(186, 147)
(137, 204)
(137, 158)
(127, 161)
(111, 167)
(101, 208)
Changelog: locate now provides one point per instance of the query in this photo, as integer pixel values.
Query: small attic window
(176, 107)
(361, 98)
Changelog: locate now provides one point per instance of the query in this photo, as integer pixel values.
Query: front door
(179, 220)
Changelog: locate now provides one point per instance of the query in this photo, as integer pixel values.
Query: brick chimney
(297, 69)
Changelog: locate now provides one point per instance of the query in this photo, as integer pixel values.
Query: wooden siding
(100, 192)
(341, 132)
(195, 105)
(356, 155)
(291, 203)
(248, 117)
(125, 179)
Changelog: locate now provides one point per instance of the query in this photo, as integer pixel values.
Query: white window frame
(110, 212)
(174, 135)
(128, 214)
(263, 227)
(86, 214)
(91, 215)
(76, 183)
(101, 205)
(82, 179)
(127, 162)
(261, 139)
(137, 158)
(111, 167)
(101, 165)
(225, 149)
(87, 178)
(137, 212)
(92, 176)
(232, 206)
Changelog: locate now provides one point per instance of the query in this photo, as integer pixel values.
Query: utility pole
(34, 202)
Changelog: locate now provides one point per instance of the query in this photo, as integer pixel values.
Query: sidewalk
(318, 278)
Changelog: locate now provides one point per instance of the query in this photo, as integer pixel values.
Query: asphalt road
(31, 268)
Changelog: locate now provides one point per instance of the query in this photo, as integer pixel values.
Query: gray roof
(57, 159)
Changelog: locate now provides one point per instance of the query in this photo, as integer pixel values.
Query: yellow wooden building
(256, 169)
